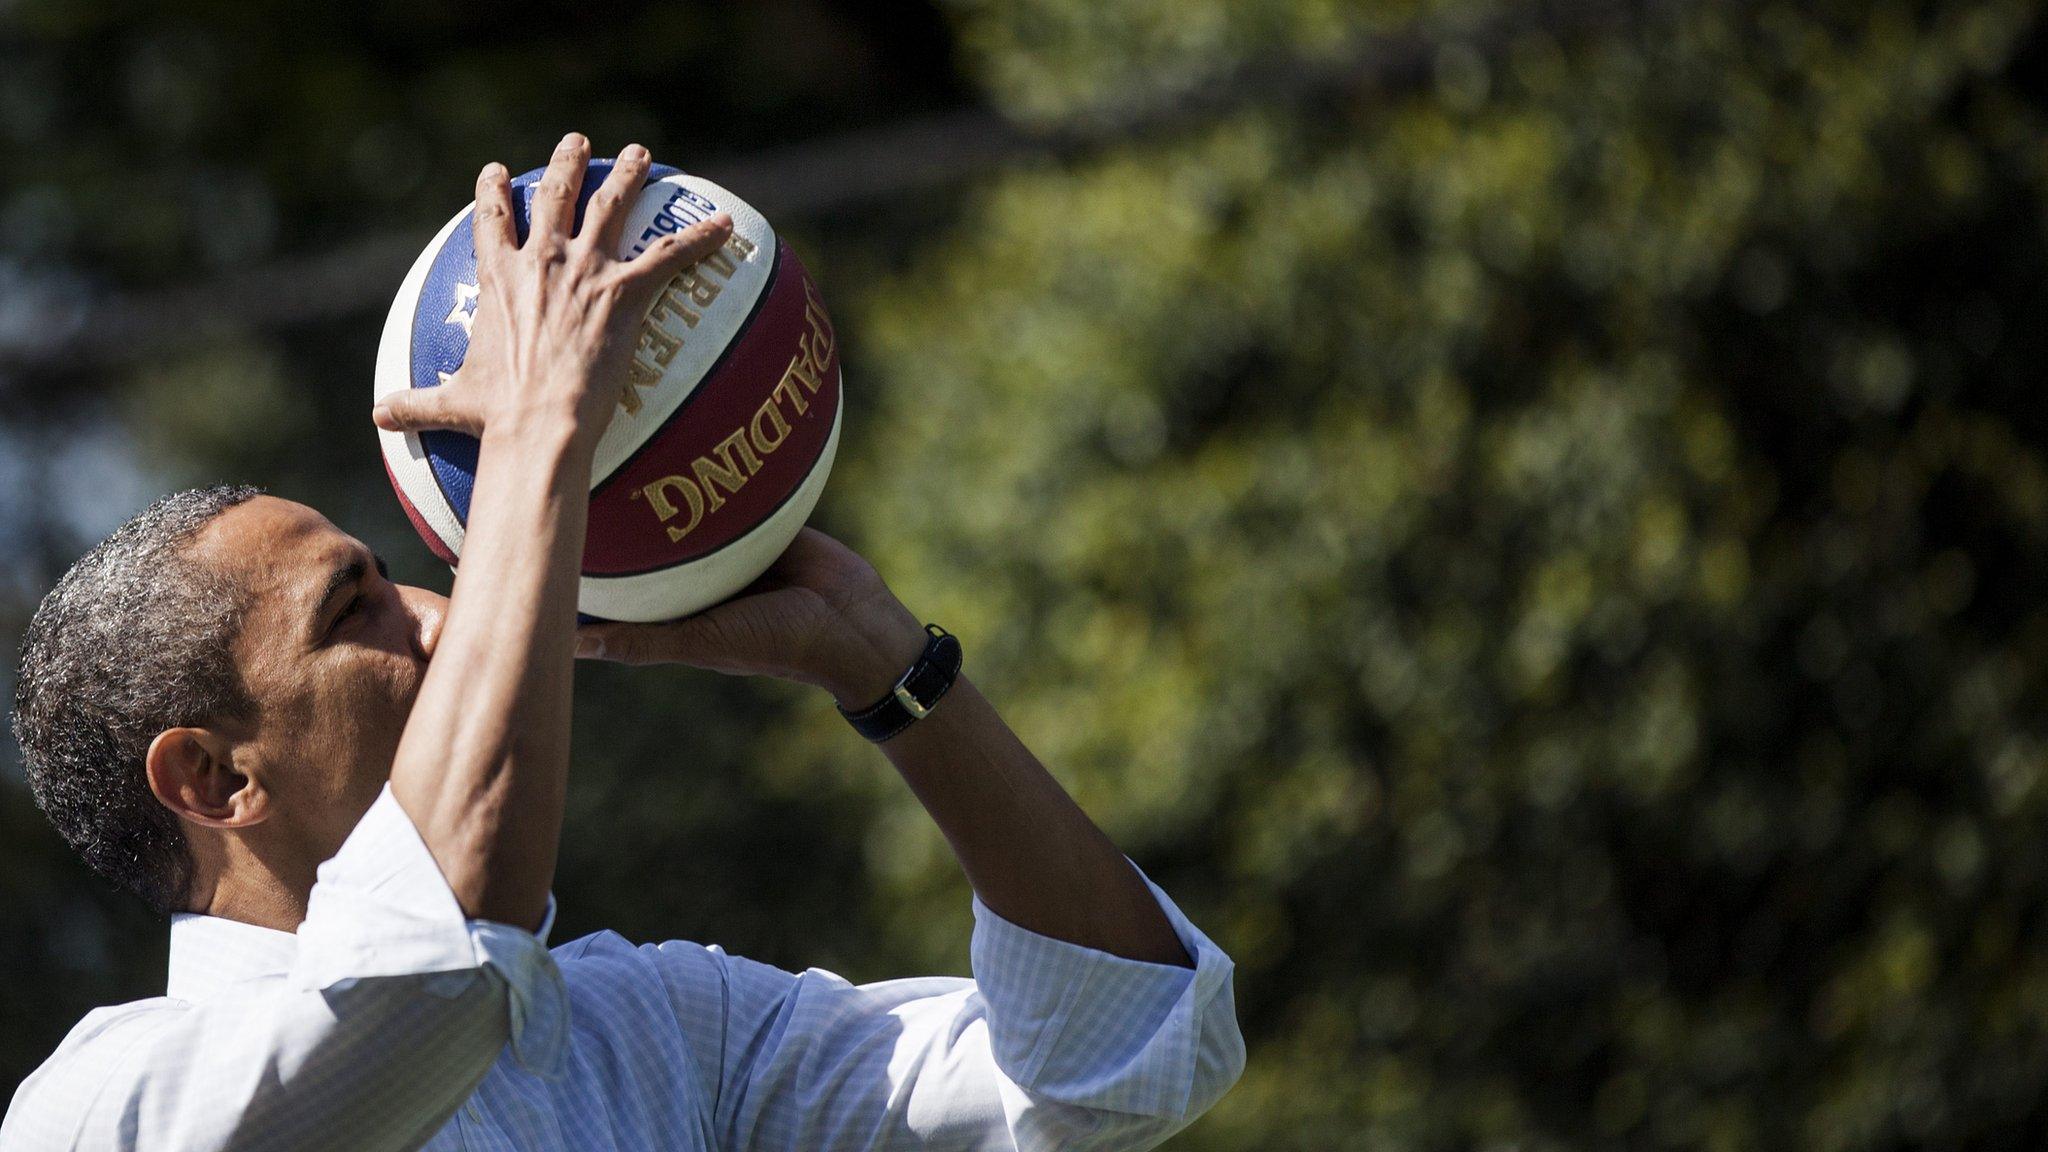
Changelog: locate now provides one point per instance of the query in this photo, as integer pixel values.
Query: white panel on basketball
(700, 583)
(403, 452)
(708, 338)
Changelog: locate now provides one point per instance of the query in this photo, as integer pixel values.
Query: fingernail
(493, 170)
(380, 414)
(573, 140)
(588, 645)
(633, 152)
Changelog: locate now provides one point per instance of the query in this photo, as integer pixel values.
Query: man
(349, 793)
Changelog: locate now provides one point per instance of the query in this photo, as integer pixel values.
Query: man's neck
(265, 908)
(238, 884)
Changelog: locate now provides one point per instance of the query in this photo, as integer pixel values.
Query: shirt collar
(209, 953)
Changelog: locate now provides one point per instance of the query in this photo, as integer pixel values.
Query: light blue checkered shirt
(391, 1022)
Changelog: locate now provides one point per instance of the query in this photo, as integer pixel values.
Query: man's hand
(820, 615)
(557, 317)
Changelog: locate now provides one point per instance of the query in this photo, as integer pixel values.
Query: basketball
(725, 426)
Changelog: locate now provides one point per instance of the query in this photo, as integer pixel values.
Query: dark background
(1527, 519)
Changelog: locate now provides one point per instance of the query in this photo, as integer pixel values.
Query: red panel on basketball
(419, 523)
(736, 449)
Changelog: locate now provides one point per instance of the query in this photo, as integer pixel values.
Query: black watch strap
(916, 693)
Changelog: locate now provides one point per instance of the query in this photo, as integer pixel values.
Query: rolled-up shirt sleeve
(383, 909)
(395, 1008)
(1098, 1033)
(1051, 1046)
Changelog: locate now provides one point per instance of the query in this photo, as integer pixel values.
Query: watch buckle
(911, 703)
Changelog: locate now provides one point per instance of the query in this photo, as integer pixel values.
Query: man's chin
(409, 694)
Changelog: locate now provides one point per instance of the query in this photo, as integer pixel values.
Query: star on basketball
(464, 312)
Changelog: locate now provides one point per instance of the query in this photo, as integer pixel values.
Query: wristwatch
(915, 693)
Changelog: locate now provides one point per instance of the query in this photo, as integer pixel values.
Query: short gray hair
(137, 637)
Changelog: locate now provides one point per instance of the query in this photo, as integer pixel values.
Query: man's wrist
(875, 649)
(548, 427)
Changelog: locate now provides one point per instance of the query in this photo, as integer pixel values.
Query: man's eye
(354, 603)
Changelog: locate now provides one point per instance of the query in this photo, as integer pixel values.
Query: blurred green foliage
(1543, 565)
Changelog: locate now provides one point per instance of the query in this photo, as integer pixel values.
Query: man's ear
(192, 772)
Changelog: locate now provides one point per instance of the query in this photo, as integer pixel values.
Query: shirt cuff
(1092, 1029)
(382, 908)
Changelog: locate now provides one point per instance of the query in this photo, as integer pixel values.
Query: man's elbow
(1219, 1062)
(1219, 1059)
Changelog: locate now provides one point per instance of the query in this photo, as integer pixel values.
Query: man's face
(331, 652)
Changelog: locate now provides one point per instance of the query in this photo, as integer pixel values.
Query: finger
(491, 223)
(604, 218)
(592, 641)
(421, 409)
(640, 643)
(667, 257)
(809, 548)
(739, 637)
(618, 643)
(554, 198)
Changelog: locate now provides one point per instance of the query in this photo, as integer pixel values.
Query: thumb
(419, 409)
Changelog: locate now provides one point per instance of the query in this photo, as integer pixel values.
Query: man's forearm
(823, 616)
(483, 766)
(1032, 855)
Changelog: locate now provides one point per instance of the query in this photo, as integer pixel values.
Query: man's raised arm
(483, 764)
(1101, 1017)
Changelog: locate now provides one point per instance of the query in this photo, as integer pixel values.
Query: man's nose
(428, 610)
